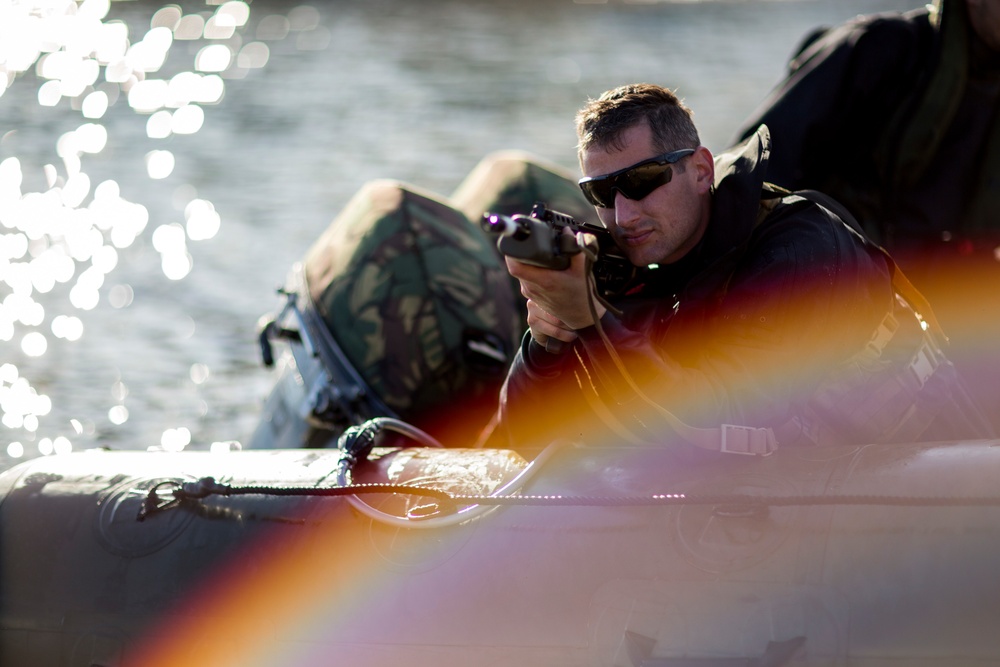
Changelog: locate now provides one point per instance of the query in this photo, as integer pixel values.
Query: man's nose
(626, 210)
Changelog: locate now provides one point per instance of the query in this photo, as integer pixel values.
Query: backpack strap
(725, 439)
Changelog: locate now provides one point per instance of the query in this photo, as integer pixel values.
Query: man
(896, 116)
(760, 318)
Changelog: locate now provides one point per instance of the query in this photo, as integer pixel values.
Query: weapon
(538, 239)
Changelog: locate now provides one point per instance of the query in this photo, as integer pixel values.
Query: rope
(208, 486)
(681, 499)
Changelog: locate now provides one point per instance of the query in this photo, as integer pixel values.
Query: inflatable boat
(365, 524)
(428, 556)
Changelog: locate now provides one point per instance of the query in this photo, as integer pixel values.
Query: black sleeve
(538, 397)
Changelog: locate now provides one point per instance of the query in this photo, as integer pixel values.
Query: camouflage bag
(420, 304)
(509, 182)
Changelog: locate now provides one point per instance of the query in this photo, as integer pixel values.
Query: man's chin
(643, 255)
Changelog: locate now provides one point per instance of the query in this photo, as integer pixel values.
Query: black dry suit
(897, 116)
(781, 328)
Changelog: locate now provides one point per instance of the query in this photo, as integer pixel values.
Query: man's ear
(703, 162)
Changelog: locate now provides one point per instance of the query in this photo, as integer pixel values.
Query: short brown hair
(601, 122)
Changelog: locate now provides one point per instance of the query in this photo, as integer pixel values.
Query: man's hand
(545, 328)
(558, 301)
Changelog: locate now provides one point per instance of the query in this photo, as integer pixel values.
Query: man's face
(665, 225)
(985, 18)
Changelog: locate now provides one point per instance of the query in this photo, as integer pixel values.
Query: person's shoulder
(899, 27)
(879, 36)
(809, 226)
(794, 212)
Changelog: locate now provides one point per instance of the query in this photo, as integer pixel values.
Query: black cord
(682, 499)
(208, 486)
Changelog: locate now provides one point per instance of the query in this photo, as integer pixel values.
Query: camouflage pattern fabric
(421, 305)
(510, 182)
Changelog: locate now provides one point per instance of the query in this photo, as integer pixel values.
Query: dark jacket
(895, 116)
(743, 330)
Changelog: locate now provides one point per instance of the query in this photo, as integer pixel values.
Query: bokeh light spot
(224, 446)
(159, 164)
(176, 266)
(104, 259)
(92, 138)
(273, 28)
(49, 94)
(118, 415)
(169, 239)
(75, 190)
(213, 58)
(199, 373)
(253, 56)
(149, 95)
(84, 296)
(67, 327)
(112, 42)
(30, 423)
(34, 344)
(120, 296)
(220, 26)
(175, 439)
(210, 90)
(190, 27)
(237, 11)
(119, 391)
(94, 9)
(188, 119)
(158, 125)
(61, 445)
(304, 17)
(203, 222)
(167, 17)
(95, 105)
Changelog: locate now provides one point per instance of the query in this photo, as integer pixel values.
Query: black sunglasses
(635, 182)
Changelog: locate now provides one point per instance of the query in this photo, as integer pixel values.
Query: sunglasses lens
(599, 193)
(639, 182)
(636, 183)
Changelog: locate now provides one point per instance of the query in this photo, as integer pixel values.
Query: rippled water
(142, 234)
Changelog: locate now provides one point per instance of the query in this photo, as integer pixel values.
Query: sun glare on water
(66, 238)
